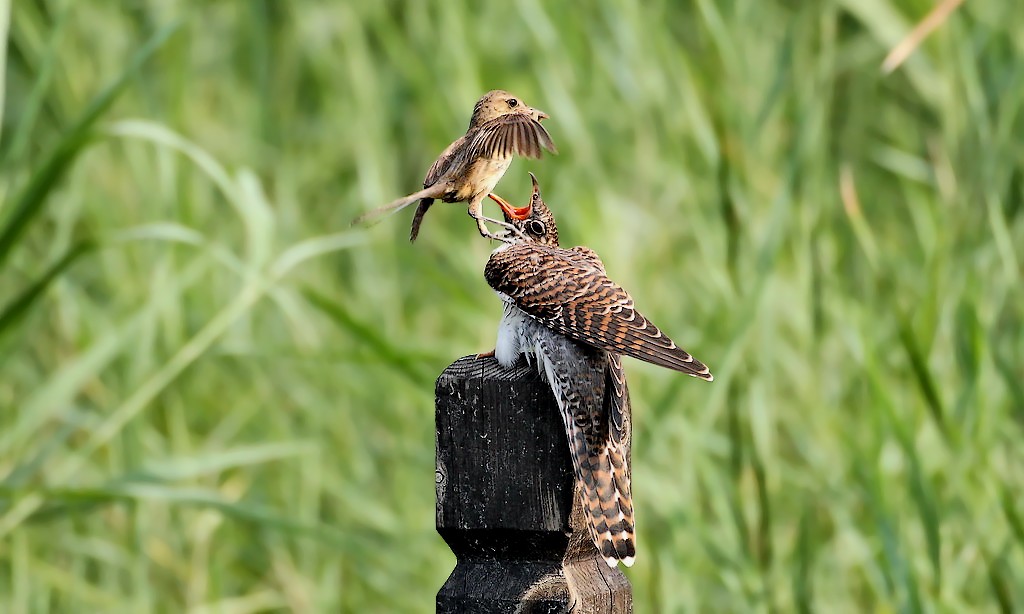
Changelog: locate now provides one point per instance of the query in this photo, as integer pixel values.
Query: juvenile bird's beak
(512, 213)
(538, 115)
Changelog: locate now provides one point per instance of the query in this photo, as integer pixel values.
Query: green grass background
(216, 397)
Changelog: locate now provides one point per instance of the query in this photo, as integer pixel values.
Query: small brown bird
(502, 126)
(562, 313)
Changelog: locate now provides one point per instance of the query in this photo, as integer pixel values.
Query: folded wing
(570, 294)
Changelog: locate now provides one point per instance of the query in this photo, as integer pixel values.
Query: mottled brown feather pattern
(568, 291)
(562, 306)
(589, 386)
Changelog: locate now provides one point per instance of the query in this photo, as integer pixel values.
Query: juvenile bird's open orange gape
(563, 314)
(502, 126)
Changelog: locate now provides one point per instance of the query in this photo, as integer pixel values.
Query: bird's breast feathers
(512, 332)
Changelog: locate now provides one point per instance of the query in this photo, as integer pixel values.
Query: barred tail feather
(600, 462)
(604, 481)
(608, 505)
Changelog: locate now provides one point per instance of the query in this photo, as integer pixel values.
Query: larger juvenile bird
(502, 126)
(563, 313)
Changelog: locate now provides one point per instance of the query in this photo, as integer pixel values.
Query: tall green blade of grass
(367, 334)
(5, 24)
(30, 201)
(15, 310)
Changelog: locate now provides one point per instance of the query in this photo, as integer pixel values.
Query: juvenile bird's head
(535, 220)
(496, 103)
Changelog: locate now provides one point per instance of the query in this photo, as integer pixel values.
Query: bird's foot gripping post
(506, 504)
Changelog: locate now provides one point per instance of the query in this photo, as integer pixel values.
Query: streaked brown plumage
(502, 126)
(562, 311)
(568, 291)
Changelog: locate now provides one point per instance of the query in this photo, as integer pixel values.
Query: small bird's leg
(488, 354)
(509, 227)
(476, 212)
(517, 213)
(484, 232)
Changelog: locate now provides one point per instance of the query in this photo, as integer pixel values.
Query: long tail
(608, 505)
(611, 510)
(372, 217)
(600, 457)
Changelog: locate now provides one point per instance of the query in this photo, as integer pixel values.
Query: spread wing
(564, 291)
(514, 133)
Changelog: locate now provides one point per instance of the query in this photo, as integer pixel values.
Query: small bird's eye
(536, 227)
(512, 103)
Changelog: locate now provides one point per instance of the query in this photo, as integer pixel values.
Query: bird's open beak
(512, 213)
(538, 114)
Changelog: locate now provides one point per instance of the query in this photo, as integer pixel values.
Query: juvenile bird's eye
(512, 103)
(536, 227)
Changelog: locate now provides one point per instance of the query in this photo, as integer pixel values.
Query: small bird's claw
(484, 232)
(489, 354)
(509, 227)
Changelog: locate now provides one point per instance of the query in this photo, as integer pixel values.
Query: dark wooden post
(505, 500)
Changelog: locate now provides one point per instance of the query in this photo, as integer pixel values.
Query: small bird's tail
(417, 219)
(372, 217)
(608, 504)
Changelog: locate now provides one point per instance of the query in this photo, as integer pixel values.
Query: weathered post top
(506, 504)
